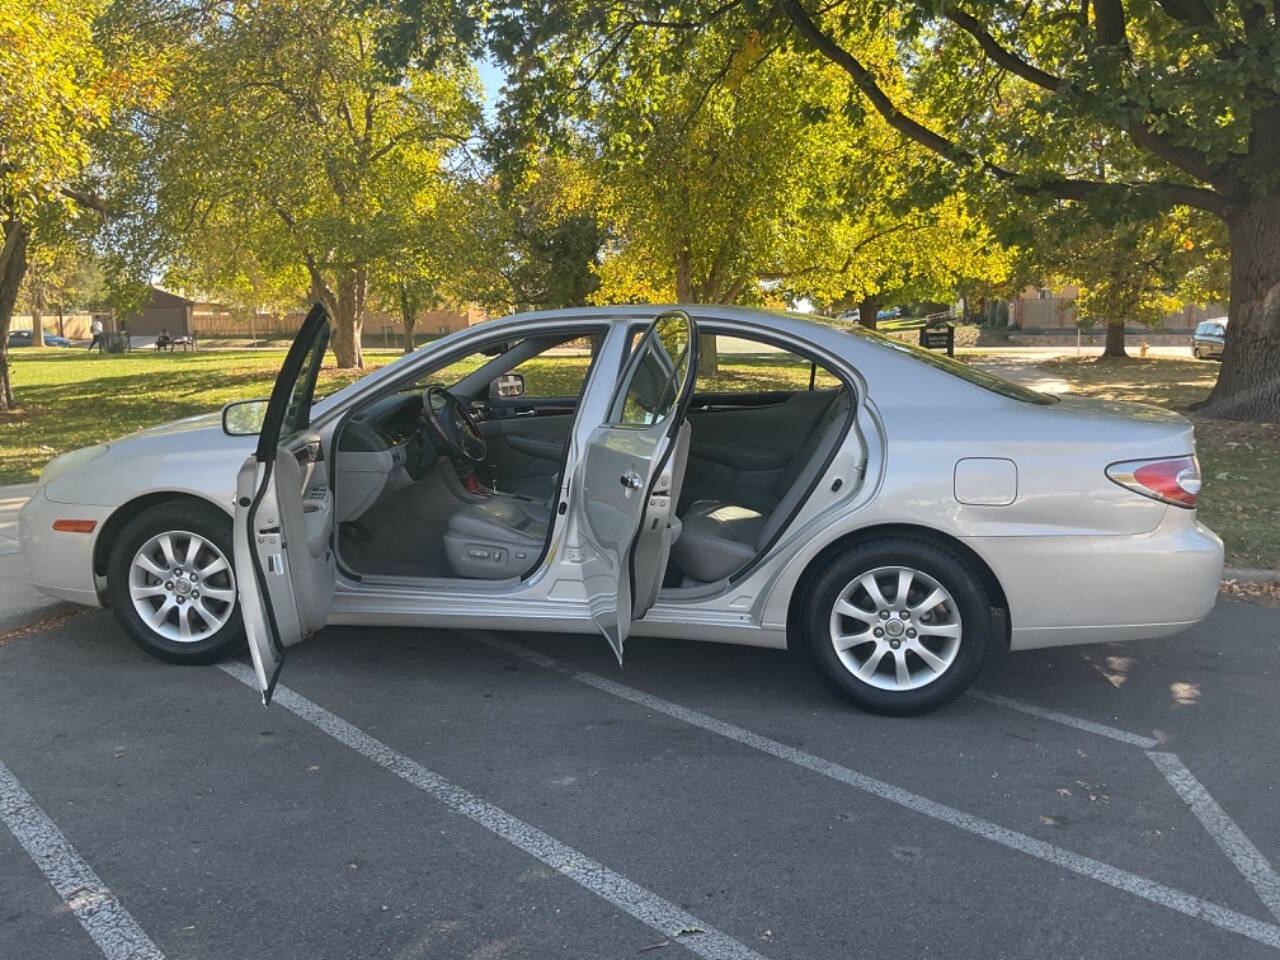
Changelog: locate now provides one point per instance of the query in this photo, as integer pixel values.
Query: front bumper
(1067, 590)
(60, 564)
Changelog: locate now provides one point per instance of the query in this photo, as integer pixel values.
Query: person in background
(164, 341)
(95, 328)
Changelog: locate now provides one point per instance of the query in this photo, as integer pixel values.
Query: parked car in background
(875, 510)
(22, 338)
(1208, 339)
(855, 315)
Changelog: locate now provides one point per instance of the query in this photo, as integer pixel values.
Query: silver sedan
(715, 473)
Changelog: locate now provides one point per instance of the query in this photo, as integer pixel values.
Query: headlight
(70, 462)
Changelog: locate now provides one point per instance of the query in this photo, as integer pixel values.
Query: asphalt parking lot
(440, 794)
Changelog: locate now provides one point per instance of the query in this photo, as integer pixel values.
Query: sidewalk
(1017, 369)
(19, 602)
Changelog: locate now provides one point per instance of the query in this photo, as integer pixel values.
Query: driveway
(420, 793)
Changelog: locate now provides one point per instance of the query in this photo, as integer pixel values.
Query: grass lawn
(70, 399)
(1240, 461)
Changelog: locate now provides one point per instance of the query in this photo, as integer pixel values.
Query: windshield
(976, 376)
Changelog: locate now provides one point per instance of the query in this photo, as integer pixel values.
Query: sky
(492, 76)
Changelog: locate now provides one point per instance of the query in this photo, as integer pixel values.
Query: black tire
(175, 517)
(1195, 352)
(949, 572)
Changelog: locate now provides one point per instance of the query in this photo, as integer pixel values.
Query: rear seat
(720, 537)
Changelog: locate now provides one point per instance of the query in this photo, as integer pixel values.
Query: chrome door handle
(630, 480)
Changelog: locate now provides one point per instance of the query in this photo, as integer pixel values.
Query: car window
(653, 380)
(745, 365)
(560, 371)
(965, 371)
(298, 411)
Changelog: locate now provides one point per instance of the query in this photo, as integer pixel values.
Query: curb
(1250, 574)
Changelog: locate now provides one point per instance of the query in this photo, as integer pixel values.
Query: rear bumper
(1067, 590)
(60, 564)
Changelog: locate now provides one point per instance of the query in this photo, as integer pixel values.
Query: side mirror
(507, 386)
(243, 418)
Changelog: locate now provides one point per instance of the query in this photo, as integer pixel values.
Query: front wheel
(897, 626)
(172, 585)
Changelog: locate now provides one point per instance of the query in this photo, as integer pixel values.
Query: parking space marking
(650, 909)
(1150, 890)
(1089, 726)
(1226, 833)
(1239, 849)
(103, 916)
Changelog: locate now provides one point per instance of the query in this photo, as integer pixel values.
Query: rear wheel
(897, 626)
(172, 586)
(1195, 352)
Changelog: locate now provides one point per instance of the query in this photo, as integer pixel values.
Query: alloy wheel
(896, 628)
(182, 586)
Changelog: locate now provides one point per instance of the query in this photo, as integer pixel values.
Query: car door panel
(777, 424)
(622, 497)
(284, 517)
(526, 448)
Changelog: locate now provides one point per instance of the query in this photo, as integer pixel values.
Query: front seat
(720, 537)
(496, 539)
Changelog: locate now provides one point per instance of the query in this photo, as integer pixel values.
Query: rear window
(980, 378)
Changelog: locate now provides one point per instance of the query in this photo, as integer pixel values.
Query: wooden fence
(212, 321)
(75, 326)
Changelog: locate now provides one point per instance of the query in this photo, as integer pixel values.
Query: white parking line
(1169, 897)
(1089, 726)
(642, 904)
(1225, 832)
(103, 917)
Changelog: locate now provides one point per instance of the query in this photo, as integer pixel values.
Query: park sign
(939, 336)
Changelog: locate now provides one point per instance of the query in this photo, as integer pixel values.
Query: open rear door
(627, 474)
(284, 518)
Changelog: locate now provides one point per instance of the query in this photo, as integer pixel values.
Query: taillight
(1175, 480)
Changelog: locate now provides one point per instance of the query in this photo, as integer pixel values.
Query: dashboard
(390, 422)
(381, 449)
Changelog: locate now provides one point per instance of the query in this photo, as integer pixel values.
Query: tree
(1131, 271)
(905, 234)
(433, 262)
(1178, 103)
(284, 129)
(710, 191)
(554, 234)
(1112, 107)
(55, 92)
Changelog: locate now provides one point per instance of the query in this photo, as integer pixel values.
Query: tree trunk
(15, 267)
(348, 320)
(1248, 387)
(708, 355)
(1115, 339)
(868, 310)
(409, 317)
(37, 314)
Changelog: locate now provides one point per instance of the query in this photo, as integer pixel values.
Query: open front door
(284, 517)
(625, 505)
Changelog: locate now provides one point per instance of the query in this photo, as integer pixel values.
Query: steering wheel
(454, 425)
